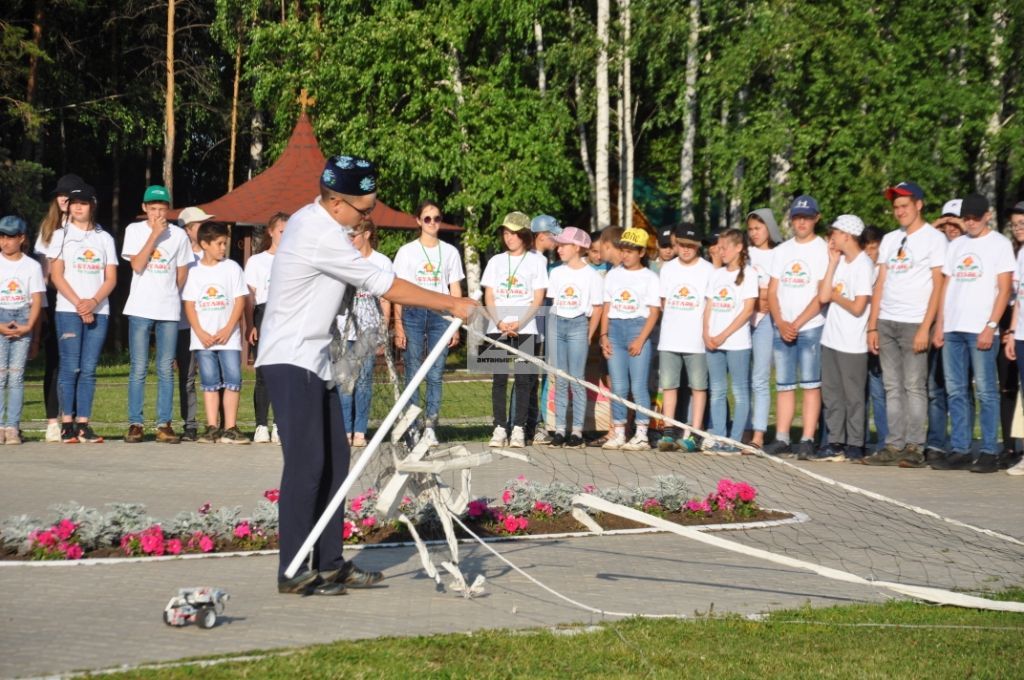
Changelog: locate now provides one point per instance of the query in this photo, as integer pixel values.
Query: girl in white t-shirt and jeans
(84, 271)
(514, 284)
(632, 303)
(577, 297)
(731, 296)
(257, 279)
(763, 234)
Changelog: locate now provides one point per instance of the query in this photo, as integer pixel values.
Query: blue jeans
(423, 329)
(80, 345)
(960, 355)
(876, 393)
(166, 333)
(629, 373)
(220, 369)
(355, 407)
(13, 357)
(763, 339)
(721, 365)
(804, 354)
(570, 346)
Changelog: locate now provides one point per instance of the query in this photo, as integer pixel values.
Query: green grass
(892, 640)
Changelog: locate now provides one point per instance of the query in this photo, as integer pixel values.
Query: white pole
(371, 448)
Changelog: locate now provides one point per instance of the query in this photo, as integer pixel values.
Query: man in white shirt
(978, 276)
(904, 306)
(314, 265)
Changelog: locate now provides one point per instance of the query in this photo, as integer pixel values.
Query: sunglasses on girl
(430, 218)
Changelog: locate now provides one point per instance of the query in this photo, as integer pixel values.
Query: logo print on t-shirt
(87, 262)
(13, 295)
(796, 274)
(428, 276)
(213, 299)
(902, 261)
(569, 299)
(513, 287)
(625, 302)
(724, 300)
(838, 288)
(158, 262)
(683, 300)
(968, 269)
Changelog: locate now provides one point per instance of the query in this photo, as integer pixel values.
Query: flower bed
(522, 508)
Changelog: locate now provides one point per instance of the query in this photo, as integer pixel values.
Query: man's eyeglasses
(430, 218)
(364, 212)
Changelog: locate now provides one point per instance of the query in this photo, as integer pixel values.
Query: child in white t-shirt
(632, 304)
(683, 283)
(763, 235)
(846, 289)
(214, 298)
(257, 278)
(514, 283)
(84, 272)
(190, 219)
(731, 296)
(21, 300)
(577, 299)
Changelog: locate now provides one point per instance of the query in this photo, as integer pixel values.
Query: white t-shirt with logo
(682, 288)
(843, 331)
(154, 293)
(86, 255)
(214, 290)
(514, 280)
(19, 280)
(799, 267)
(908, 276)
(574, 292)
(365, 304)
(973, 266)
(761, 261)
(257, 275)
(431, 268)
(630, 292)
(726, 298)
(1019, 293)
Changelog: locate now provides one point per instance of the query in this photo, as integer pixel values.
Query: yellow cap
(636, 238)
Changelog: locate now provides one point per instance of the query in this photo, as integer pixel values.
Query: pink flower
(272, 495)
(74, 552)
(369, 522)
(507, 495)
(174, 546)
(727, 489)
(543, 508)
(357, 504)
(745, 492)
(348, 529)
(477, 508)
(522, 523)
(697, 506)
(46, 539)
(126, 543)
(406, 500)
(651, 504)
(204, 509)
(510, 523)
(206, 544)
(152, 541)
(242, 530)
(64, 529)
(521, 478)
(589, 488)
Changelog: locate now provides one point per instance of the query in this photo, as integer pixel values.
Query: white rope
(750, 450)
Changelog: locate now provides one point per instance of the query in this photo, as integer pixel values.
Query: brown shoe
(165, 434)
(134, 435)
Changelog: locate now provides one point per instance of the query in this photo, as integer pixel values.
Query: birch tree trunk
(736, 193)
(689, 115)
(626, 171)
(988, 164)
(538, 38)
(256, 145)
(469, 242)
(581, 131)
(603, 207)
(234, 116)
(168, 168)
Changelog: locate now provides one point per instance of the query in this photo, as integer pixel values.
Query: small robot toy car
(196, 605)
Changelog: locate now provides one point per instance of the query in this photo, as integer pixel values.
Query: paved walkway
(59, 619)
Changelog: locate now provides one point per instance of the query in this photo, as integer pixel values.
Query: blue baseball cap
(804, 205)
(12, 225)
(904, 189)
(542, 223)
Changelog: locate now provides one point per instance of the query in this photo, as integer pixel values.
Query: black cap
(83, 192)
(712, 238)
(1017, 209)
(665, 237)
(974, 205)
(66, 183)
(686, 231)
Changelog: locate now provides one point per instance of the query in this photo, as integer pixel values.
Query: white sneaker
(1017, 470)
(53, 433)
(499, 438)
(637, 443)
(615, 441)
(429, 437)
(518, 438)
(262, 435)
(541, 438)
(12, 435)
(275, 438)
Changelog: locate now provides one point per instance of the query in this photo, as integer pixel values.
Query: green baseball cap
(516, 221)
(157, 193)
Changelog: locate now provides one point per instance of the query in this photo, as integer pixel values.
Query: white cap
(193, 214)
(851, 224)
(952, 207)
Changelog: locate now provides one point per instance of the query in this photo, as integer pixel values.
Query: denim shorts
(803, 354)
(671, 364)
(220, 369)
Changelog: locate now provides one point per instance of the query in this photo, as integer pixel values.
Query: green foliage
(20, 181)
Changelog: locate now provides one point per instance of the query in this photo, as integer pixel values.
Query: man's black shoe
(777, 448)
(987, 462)
(300, 584)
(557, 440)
(953, 461)
(353, 577)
